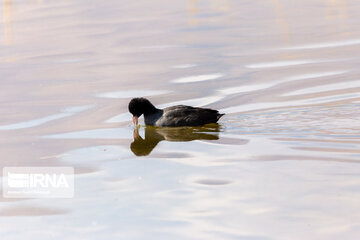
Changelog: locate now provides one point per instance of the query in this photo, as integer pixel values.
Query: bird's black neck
(150, 108)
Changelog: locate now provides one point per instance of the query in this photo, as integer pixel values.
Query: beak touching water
(135, 120)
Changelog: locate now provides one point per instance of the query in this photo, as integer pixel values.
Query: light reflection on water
(283, 164)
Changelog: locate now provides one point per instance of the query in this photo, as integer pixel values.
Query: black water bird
(176, 116)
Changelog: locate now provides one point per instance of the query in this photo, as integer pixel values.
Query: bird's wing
(185, 116)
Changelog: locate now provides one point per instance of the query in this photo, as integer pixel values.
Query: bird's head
(139, 106)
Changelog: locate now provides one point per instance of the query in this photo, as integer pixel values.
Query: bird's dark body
(176, 116)
(187, 116)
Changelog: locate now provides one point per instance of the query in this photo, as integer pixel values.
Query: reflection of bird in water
(153, 135)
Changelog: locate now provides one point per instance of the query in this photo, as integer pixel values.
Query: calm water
(283, 164)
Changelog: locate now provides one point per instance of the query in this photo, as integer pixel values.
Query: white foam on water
(268, 105)
(124, 117)
(333, 98)
(325, 88)
(163, 46)
(256, 87)
(198, 78)
(245, 88)
(276, 64)
(67, 112)
(34, 122)
(107, 133)
(325, 45)
(77, 109)
(315, 75)
(131, 93)
(183, 66)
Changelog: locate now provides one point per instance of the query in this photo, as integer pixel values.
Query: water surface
(282, 164)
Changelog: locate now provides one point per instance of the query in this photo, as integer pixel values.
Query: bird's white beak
(135, 120)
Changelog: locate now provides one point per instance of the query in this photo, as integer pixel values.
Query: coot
(176, 116)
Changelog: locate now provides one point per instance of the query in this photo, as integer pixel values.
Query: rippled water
(283, 164)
